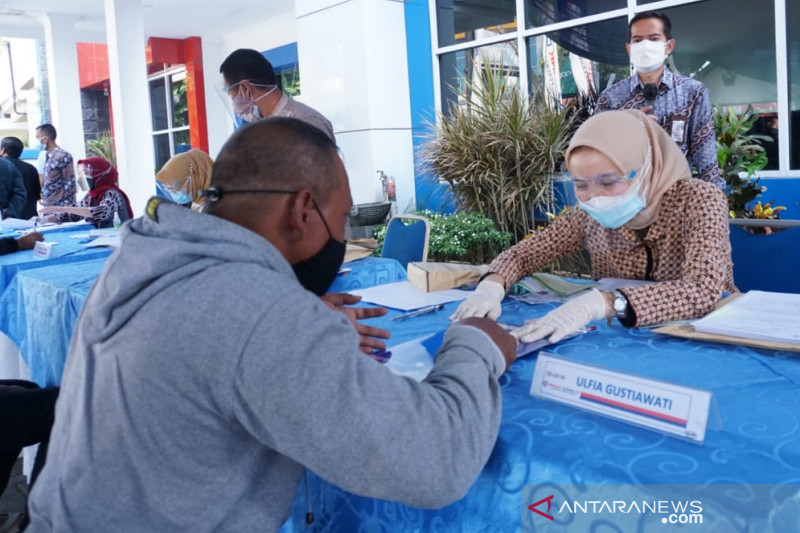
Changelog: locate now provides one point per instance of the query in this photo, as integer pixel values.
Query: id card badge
(678, 130)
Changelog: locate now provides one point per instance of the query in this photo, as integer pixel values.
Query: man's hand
(647, 110)
(501, 338)
(29, 240)
(369, 335)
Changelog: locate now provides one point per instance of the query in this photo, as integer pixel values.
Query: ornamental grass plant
(499, 153)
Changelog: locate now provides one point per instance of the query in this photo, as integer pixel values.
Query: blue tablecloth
(757, 395)
(39, 307)
(368, 272)
(68, 250)
(38, 312)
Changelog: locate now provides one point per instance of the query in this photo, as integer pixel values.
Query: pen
(419, 312)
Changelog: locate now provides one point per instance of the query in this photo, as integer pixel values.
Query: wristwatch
(620, 305)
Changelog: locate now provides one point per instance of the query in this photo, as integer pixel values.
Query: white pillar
(130, 100)
(358, 79)
(219, 122)
(65, 93)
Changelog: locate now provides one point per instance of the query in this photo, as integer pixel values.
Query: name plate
(665, 407)
(42, 249)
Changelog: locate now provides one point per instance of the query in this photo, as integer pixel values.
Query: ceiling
(162, 18)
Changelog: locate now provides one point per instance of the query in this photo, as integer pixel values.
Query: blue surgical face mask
(615, 211)
(180, 196)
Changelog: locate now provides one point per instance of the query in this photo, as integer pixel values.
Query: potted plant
(763, 246)
(460, 237)
(499, 152)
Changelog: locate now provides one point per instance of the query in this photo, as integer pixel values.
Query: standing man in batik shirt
(682, 106)
(58, 186)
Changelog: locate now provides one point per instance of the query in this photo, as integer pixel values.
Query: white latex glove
(484, 301)
(568, 318)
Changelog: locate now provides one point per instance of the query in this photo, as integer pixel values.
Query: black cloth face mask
(317, 272)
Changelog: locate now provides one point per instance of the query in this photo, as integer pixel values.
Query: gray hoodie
(202, 378)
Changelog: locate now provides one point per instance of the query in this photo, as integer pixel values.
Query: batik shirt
(103, 212)
(683, 110)
(59, 179)
(687, 250)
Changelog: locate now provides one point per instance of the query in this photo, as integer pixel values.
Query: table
(39, 307)
(368, 272)
(757, 394)
(68, 250)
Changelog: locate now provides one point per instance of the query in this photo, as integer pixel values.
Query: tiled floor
(16, 494)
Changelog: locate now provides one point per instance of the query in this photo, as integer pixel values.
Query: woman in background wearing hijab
(102, 202)
(183, 177)
(640, 216)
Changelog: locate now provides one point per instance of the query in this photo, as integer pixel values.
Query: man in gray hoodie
(204, 376)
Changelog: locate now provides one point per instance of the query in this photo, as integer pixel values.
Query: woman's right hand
(484, 301)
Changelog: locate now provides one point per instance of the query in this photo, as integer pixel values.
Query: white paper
(411, 359)
(405, 296)
(654, 404)
(105, 232)
(769, 316)
(110, 240)
(16, 223)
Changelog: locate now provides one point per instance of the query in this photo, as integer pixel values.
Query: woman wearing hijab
(104, 199)
(640, 216)
(183, 177)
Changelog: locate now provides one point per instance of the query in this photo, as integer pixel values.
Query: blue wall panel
(430, 194)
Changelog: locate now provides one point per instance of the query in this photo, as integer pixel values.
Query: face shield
(239, 99)
(182, 193)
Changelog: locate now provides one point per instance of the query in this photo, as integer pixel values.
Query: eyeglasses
(604, 181)
(227, 88)
(213, 194)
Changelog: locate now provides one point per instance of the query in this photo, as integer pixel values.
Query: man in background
(58, 185)
(681, 105)
(170, 422)
(12, 191)
(252, 85)
(11, 149)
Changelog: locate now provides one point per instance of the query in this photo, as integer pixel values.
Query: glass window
(170, 112)
(462, 68)
(182, 141)
(543, 12)
(180, 109)
(467, 20)
(290, 80)
(793, 25)
(711, 39)
(578, 62)
(158, 104)
(162, 151)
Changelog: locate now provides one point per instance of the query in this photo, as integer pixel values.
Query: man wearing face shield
(205, 373)
(680, 105)
(250, 82)
(640, 217)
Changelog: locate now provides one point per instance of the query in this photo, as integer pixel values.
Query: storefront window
(793, 25)
(540, 13)
(467, 20)
(462, 69)
(576, 64)
(710, 47)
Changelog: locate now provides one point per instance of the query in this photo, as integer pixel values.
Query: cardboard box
(442, 276)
